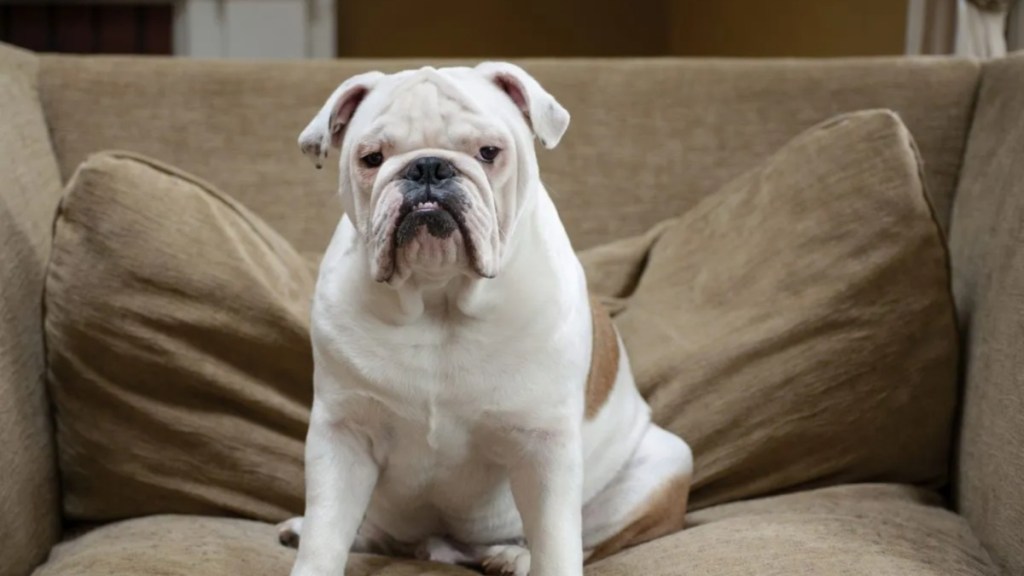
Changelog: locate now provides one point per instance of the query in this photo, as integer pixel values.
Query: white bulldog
(472, 405)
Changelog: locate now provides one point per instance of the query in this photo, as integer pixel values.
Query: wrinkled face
(436, 167)
(428, 168)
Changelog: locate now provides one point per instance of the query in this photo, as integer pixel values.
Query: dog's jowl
(472, 404)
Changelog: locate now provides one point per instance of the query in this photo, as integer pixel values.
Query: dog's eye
(488, 154)
(372, 160)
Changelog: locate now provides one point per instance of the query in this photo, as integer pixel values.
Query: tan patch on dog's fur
(604, 359)
(662, 514)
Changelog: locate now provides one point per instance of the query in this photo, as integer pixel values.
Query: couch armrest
(29, 191)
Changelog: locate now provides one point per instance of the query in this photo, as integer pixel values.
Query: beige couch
(649, 138)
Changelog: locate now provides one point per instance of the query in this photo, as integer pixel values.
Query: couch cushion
(177, 315)
(177, 326)
(797, 327)
(666, 132)
(874, 530)
(29, 191)
(987, 249)
(870, 530)
(171, 545)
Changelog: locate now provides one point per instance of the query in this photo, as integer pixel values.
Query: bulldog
(471, 404)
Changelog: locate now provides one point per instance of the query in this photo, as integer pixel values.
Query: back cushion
(797, 326)
(29, 191)
(648, 139)
(177, 327)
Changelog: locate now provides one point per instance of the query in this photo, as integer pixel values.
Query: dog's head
(436, 165)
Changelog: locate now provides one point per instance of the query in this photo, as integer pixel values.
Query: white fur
(449, 407)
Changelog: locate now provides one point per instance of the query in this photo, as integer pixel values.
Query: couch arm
(987, 252)
(29, 190)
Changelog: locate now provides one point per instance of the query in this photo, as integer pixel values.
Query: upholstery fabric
(29, 191)
(987, 250)
(797, 326)
(870, 530)
(177, 326)
(194, 335)
(175, 545)
(649, 137)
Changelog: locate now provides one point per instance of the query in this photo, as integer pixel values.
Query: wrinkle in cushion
(797, 327)
(177, 328)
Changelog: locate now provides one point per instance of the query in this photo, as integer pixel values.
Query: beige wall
(517, 28)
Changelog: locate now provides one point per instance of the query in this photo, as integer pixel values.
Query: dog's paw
(440, 550)
(507, 560)
(289, 531)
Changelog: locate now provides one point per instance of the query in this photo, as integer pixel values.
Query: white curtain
(981, 28)
(971, 28)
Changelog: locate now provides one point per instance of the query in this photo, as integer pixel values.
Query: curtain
(971, 28)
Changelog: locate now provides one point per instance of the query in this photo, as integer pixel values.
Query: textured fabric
(869, 530)
(797, 327)
(987, 250)
(178, 345)
(648, 139)
(832, 359)
(199, 546)
(874, 530)
(29, 191)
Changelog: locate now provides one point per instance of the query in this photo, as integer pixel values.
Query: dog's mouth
(440, 214)
(439, 221)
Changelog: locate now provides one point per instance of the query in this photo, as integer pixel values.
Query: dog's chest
(446, 396)
(435, 371)
(441, 479)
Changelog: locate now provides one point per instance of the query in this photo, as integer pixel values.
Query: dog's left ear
(326, 129)
(545, 116)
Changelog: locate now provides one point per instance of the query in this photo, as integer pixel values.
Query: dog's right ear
(328, 126)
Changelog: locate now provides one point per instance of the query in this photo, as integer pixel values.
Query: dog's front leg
(340, 476)
(547, 484)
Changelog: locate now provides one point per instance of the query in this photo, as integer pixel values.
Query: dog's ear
(545, 116)
(328, 126)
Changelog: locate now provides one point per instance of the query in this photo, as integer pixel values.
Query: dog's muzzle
(431, 197)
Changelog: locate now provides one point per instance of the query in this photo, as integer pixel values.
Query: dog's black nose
(429, 170)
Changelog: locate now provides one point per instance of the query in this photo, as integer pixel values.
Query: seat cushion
(869, 529)
(171, 545)
(851, 530)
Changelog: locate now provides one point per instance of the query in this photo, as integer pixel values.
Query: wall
(471, 28)
(788, 27)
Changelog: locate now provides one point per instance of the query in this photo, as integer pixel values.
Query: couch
(650, 137)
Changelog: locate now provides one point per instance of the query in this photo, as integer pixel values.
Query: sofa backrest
(29, 190)
(987, 251)
(648, 138)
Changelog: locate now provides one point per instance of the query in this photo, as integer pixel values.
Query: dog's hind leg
(646, 499)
